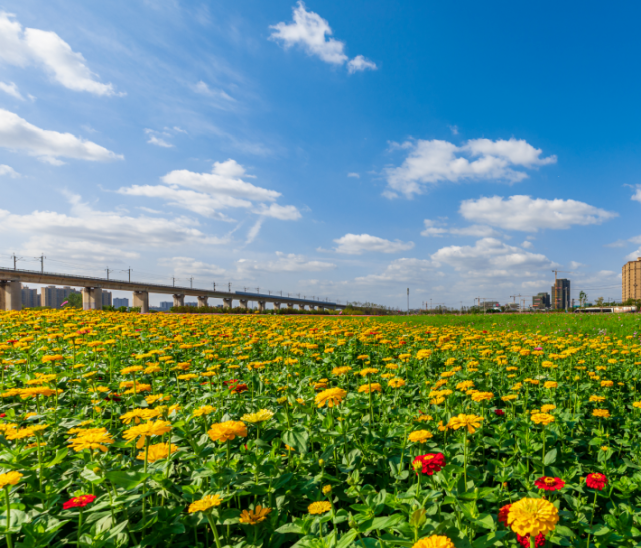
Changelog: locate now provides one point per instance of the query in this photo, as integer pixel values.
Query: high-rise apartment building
(561, 294)
(166, 306)
(120, 302)
(631, 280)
(541, 301)
(30, 297)
(106, 298)
(53, 296)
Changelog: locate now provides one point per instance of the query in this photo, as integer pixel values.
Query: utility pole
(191, 283)
(42, 263)
(107, 269)
(173, 282)
(129, 272)
(15, 260)
(229, 286)
(214, 286)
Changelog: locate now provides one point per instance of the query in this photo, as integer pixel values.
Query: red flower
(238, 388)
(503, 512)
(113, 397)
(499, 412)
(431, 462)
(596, 481)
(79, 502)
(549, 484)
(3, 415)
(525, 541)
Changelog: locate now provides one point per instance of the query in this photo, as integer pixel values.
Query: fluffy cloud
(531, 214)
(275, 211)
(77, 250)
(357, 244)
(313, 33)
(403, 270)
(437, 229)
(285, 263)
(108, 228)
(23, 47)
(18, 134)
(9, 171)
(492, 258)
(186, 266)
(430, 162)
(637, 194)
(11, 89)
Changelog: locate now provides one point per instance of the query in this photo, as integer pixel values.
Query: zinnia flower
(158, 451)
(368, 388)
(542, 418)
(596, 481)
(499, 412)
(205, 503)
(92, 440)
(255, 516)
(503, 513)
(435, 541)
(79, 502)
(532, 516)
(601, 413)
(260, 416)
(331, 397)
(319, 507)
(525, 540)
(10, 478)
(227, 431)
(151, 428)
(430, 463)
(549, 483)
(471, 422)
(419, 436)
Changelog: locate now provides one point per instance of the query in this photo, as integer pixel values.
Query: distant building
(120, 302)
(631, 280)
(561, 294)
(53, 296)
(30, 297)
(191, 304)
(166, 306)
(541, 301)
(106, 298)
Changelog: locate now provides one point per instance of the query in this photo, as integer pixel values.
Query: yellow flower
(532, 517)
(367, 371)
(150, 428)
(551, 384)
(204, 410)
(260, 416)
(338, 371)
(482, 396)
(10, 478)
(509, 398)
(435, 541)
(373, 387)
(597, 399)
(319, 507)
(420, 436)
(327, 489)
(255, 516)
(227, 431)
(542, 418)
(471, 422)
(601, 413)
(98, 438)
(205, 503)
(396, 383)
(158, 451)
(331, 396)
(547, 407)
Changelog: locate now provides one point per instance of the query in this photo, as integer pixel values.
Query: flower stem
(214, 530)
(8, 503)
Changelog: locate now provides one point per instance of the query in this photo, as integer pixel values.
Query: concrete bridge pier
(243, 303)
(290, 306)
(301, 307)
(179, 299)
(92, 298)
(276, 306)
(10, 295)
(312, 307)
(228, 303)
(141, 299)
(261, 305)
(202, 301)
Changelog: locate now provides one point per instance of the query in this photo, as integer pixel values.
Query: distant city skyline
(342, 150)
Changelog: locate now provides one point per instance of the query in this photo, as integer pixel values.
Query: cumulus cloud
(285, 263)
(637, 194)
(275, 211)
(431, 162)
(81, 250)
(490, 257)
(113, 229)
(527, 244)
(357, 244)
(187, 266)
(354, 175)
(8, 171)
(532, 214)
(24, 46)
(437, 229)
(11, 89)
(403, 270)
(18, 134)
(155, 138)
(313, 33)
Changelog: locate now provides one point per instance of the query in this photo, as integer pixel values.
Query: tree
(582, 298)
(75, 300)
(599, 301)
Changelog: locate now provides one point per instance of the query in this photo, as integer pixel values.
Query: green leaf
(383, 522)
(127, 480)
(491, 539)
(297, 438)
(290, 528)
(60, 455)
(346, 539)
(486, 521)
(550, 457)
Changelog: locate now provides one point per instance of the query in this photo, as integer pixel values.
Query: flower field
(187, 430)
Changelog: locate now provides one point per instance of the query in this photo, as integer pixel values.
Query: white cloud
(618, 243)
(313, 33)
(357, 244)
(8, 170)
(527, 244)
(531, 214)
(254, 230)
(454, 130)
(574, 265)
(80, 250)
(11, 89)
(275, 211)
(437, 229)
(634, 255)
(285, 263)
(359, 64)
(430, 162)
(637, 194)
(108, 228)
(355, 175)
(186, 266)
(23, 47)
(18, 134)
(158, 141)
(403, 270)
(490, 257)
(204, 89)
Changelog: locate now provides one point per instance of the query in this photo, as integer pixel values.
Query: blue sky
(341, 150)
